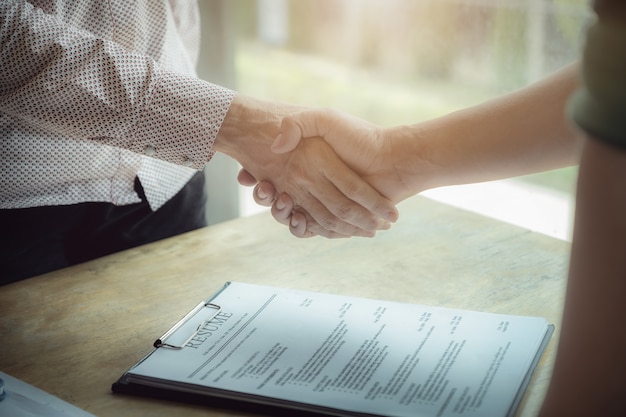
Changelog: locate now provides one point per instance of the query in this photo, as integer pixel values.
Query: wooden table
(73, 332)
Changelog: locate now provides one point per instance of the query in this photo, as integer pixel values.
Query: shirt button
(149, 150)
(188, 162)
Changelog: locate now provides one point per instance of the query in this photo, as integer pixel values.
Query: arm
(81, 86)
(132, 102)
(516, 134)
(588, 376)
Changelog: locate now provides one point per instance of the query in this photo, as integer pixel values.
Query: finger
(351, 201)
(300, 224)
(297, 225)
(245, 178)
(300, 125)
(331, 220)
(366, 208)
(282, 209)
(264, 193)
(303, 226)
(288, 138)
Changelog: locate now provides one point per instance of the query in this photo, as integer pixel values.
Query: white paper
(353, 354)
(24, 400)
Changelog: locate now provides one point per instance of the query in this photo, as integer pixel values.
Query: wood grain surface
(74, 332)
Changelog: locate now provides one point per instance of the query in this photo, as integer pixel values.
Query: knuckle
(353, 189)
(346, 211)
(354, 215)
(328, 222)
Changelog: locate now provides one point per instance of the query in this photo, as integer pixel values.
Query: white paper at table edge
(14, 385)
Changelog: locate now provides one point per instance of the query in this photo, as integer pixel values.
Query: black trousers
(42, 239)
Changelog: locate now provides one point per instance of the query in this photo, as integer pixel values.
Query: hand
(286, 212)
(282, 207)
(318, 181)
(363, 146)
(372, 152)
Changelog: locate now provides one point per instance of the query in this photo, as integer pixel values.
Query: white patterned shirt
(96, 93)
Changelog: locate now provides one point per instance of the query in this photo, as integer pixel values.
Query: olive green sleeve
(599, 105)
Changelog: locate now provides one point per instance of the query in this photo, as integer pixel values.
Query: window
(402, 61)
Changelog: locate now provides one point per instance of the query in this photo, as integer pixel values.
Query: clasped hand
(365, 148)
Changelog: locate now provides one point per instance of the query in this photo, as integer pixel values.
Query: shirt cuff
(181, 119)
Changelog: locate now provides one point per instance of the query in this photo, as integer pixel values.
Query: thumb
(295, 127)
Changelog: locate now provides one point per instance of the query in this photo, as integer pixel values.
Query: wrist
(410, 149)
(250, 125)
(248, 122)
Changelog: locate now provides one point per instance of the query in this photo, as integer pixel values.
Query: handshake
(334, 175)
(323, 172)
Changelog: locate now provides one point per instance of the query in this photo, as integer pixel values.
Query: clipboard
(195, 319)
(334, 340)
(181, 333)
(161, 341)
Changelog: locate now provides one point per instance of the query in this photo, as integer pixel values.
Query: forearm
(519, 133)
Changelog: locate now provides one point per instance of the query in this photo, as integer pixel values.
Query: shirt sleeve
(70, 82)
(598, 106)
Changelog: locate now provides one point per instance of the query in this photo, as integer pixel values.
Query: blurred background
(399, 62)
